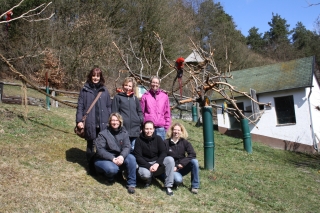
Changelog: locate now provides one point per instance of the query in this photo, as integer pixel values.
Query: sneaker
(131, 190)
(194, 191)
(169, 191)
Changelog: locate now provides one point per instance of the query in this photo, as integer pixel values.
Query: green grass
(43, 169)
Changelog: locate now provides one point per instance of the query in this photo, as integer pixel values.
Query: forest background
(81, 33)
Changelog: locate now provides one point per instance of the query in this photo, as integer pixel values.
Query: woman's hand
(80, 125)
(118, 160)
(180, 166)
(154, 167)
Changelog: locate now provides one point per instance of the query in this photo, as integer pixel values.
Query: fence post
(1, 91)
(247, 145)
(208, 137)
(48, 92)
(194, 113)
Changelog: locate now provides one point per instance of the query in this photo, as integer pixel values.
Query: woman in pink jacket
(155, 107)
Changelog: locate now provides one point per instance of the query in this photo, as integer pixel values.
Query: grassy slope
(42, 169)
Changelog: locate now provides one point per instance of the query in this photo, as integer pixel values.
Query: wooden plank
(43, 88)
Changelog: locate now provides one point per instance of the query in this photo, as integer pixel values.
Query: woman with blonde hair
(184, 156)
(128, 106)
(113, 152)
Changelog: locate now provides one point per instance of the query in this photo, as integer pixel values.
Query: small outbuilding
(293, 120)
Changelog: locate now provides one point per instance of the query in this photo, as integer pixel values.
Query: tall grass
(43, 169)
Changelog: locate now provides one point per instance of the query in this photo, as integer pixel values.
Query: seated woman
(113, 152)
(152, 158)
(177, 147)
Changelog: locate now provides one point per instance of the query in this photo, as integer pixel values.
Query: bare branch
(30, 15)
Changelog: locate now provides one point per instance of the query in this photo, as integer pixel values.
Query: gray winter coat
(85, 99)
(110, 144)
(130, 110)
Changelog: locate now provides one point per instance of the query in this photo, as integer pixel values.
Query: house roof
(275, 77)
(194, 57)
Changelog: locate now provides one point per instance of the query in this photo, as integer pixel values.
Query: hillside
(43, 169)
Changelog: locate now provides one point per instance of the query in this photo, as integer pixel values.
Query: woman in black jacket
(128, 105)
(97, 118)
(151, 156)
(184, 156)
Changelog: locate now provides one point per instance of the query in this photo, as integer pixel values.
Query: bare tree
(201, 79)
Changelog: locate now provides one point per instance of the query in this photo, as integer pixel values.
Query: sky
(257, 13)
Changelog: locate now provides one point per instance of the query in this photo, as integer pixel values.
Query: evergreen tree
(255, 40)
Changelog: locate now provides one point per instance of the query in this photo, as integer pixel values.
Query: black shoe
(131, 190)
(110, 182)
(169, 191)
(148, 183)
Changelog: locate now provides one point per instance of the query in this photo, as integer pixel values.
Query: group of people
(129, 136)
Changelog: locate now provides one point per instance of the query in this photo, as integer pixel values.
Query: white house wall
(315, 101)
(267, 125)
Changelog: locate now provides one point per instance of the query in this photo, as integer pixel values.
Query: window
(234, 124)
(285, 110)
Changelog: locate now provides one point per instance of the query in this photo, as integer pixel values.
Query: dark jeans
(110, 169)
(90, 153)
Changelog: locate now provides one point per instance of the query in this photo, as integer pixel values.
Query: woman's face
(148, 129)
(176, 132)
(127, 87)
(155, 84)
(95, 78)
(114, 122)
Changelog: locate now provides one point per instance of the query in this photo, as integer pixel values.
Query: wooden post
(1, 91)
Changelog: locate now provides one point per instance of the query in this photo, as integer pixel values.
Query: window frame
(285, 110)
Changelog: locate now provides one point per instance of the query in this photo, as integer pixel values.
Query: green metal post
(208, 137)
(48, 92)
(194, 114)
(246, 135)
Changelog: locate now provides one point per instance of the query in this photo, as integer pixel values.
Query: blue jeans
(110, 169)
(193, 167)
(161, 132)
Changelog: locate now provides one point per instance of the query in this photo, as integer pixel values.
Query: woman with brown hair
(97, 119)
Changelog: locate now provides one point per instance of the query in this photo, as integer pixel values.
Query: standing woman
(184, 156)
(155, 107)
(128, 106)
(97, 118)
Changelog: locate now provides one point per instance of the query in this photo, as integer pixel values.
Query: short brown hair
(116, 115)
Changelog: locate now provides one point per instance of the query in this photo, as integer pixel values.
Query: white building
(292, 122)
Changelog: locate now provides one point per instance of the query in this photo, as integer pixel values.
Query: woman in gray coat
(113, 152)
(97, 118)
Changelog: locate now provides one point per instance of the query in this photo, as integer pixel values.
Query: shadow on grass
(76, 155)
(303, 160)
